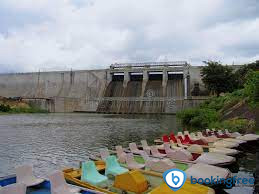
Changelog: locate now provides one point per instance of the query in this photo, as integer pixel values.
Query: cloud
(90, 34)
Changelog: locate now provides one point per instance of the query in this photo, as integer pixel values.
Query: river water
(55, 141)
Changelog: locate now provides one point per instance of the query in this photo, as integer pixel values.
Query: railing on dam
(149, 64)
(148, 99)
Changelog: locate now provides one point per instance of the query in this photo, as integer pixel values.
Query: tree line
(220, 78)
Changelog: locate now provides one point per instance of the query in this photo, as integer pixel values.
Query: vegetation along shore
(235, 102)
(12, 106)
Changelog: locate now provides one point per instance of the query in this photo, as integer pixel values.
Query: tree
(242, 73)
(218, 78)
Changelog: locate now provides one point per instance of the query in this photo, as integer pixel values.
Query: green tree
(251, 88)
(243, 72)
(218, 78)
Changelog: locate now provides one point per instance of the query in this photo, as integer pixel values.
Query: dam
(151, 87)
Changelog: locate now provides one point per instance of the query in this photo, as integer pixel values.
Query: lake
(54, 141)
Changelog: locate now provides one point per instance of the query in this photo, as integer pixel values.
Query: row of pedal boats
(139, 168)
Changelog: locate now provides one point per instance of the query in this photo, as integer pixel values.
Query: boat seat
(104, 152)
(134, 149)
(147, 158)
(132, 164)
(192, 136)
(25, 175)
(193, 139)
(180, 154)
(120, 154)
(16, 188)
(179, 143)
(113, 167)
(166, 138)
(208, 139)
(183, 141)
(156, 153)
(158, 165)
(59, 185)
(195, 148)
(180, 134)
(218, 135)
(145, 146)
(172, 137)
(92, 176)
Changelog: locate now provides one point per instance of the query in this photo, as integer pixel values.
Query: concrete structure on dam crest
(155, 87)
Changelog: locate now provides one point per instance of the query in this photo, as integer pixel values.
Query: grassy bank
(235, 111)
(13, 107)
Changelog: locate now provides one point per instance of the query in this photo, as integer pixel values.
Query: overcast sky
(89, 34)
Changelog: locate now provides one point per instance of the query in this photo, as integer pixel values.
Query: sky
(46, 35)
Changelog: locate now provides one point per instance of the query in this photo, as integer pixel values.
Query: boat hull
(153, 178)
(184, 168)
(43, 188)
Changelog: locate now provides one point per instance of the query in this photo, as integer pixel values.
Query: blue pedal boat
(42, 188)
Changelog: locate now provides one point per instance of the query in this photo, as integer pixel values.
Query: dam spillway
(154, 87)
(145, 87)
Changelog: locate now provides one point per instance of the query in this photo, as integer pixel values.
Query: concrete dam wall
(126, 89)
(65, 91)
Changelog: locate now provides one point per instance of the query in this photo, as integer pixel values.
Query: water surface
(51, 141)
(54, 141)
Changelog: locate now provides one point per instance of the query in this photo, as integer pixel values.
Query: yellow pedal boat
(135, 181)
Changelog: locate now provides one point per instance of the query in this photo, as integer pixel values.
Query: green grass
(24, 110)
(27, 110)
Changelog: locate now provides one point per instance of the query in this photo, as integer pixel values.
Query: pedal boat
(183, 155)
(247, 142)
(160, 165)
(134, 181)
(9, 185)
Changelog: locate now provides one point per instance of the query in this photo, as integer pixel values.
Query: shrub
(239, 125)
(28, 110)
(4, 108)
(251, 89)
(243, 72)
(209, 113)
(197, 117)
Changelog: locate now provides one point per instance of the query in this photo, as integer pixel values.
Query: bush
(197, 118)
(28, 110)
(210, 113)
(243, 72)
(222, 103)
(4, 108)
(234, 125)
(251, 89)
